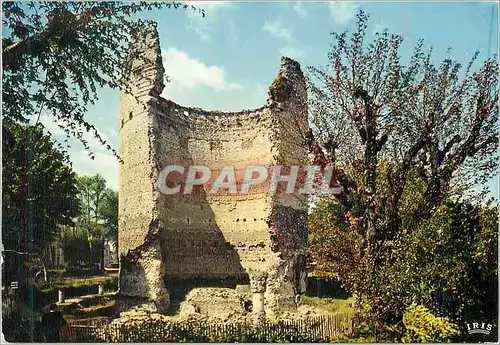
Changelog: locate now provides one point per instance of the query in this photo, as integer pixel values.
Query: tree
(109, 213)
(470, 238)
(438, 122)
(91, 191)
(418, 115)
(337, 246)
(98, 212)
(76, 246)
(55, 55)
(39, 189)
(458, 244)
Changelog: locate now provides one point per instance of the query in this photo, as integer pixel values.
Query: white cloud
(290, 49)
(104, 163)
(277, 30)
(342, 12)
(50, 126)
(301, 11)
(113, 133)
(292, 52)
(197, 84)
(194, 83)
(202, 25)
(187, 72)
(57, 132)
(251, 96)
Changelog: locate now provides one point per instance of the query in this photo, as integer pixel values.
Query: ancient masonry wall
(256, 238)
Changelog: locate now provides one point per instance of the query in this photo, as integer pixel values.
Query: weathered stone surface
(222, 304)
(209, 236)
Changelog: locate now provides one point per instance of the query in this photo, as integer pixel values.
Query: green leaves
(98, 217)
(423, 327)
(39, 188)
(56, 55)
(407, 261)
(411, 136)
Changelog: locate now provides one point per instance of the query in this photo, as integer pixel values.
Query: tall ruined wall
(139, 237)
(213, 236)
(256, 237)
(287, 219)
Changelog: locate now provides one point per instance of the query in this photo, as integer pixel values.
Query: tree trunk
(370, 172)
(102, 255)
(90, 254)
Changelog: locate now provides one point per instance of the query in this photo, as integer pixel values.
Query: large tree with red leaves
(382, 123)
(441, 120)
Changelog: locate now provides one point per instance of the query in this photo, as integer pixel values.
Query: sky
(228, 59)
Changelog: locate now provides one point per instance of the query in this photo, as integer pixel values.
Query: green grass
(104, 304)
(329, 305)
(74, 282)
(94, 310)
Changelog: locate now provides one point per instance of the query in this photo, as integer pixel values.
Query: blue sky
(228, 59)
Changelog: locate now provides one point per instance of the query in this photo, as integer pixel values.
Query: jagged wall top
(290, 67)
(144, 59)
(147, 70)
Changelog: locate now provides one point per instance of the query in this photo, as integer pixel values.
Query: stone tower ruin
(168, 243)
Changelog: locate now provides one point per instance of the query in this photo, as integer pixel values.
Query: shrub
(407, 266)
(421, 326)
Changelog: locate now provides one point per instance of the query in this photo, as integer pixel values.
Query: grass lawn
(75, 282)
(329, 305)
(92, 307)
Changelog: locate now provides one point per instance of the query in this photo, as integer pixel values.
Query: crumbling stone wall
(256, 238)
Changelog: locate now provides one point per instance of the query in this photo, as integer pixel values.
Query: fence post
(60, 296)
(322, 328)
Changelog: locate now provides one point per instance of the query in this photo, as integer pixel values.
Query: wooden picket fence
(315, 329)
